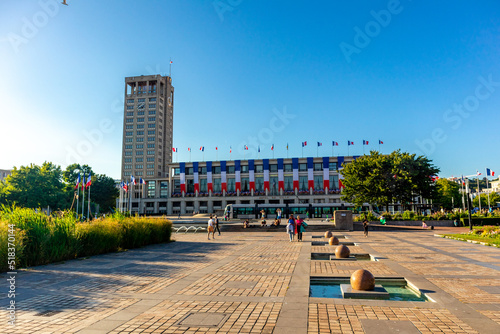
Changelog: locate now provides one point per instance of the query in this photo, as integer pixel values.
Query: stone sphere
(362, 280)
(342, 252)
(328, 234)
(333, 241)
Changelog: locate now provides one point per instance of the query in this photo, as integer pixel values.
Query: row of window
(259, 184)
(148, 159)
(129, 153)
(151, 99)
(273, 168)
(141, 126)
(140, 133)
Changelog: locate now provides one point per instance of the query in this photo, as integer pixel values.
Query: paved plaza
(256, 281)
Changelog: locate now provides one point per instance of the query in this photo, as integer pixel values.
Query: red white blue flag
(349, 143)
(77, 181)
(304, 143)
(489, 172)
(365, 142)
(89, 181)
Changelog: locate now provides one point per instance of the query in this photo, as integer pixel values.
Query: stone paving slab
(258, 282)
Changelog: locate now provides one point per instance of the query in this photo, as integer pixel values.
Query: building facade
(4, 173)
(147, 126)
(207, 187)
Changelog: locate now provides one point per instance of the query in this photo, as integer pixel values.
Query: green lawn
(486, 234)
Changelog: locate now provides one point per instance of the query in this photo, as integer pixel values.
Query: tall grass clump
(42, 239)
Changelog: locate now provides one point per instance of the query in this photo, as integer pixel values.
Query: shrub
(42, 239)
(387, 216)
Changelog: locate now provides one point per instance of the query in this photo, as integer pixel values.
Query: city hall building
(205, 187)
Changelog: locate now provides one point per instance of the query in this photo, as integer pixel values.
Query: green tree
(494, 199)
(384, 179)
(446, 191)
(104, 192)
(35, 186)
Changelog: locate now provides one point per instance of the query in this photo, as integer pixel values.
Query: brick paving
(258, 282)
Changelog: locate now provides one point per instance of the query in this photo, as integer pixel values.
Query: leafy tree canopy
(384, 179)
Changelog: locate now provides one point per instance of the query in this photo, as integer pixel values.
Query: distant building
(495, 186)
(209, 186)
(4, 173)
(147, 126)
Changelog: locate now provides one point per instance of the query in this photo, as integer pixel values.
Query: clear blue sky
(235, 67)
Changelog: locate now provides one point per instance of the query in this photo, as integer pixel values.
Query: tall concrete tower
(147, 126)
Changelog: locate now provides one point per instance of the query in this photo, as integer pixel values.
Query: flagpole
(216, 155)
(170, 68)
(88, 207)
(189, 155)
(83, 199)
(317, 151)
(479, 192)
(77, 199)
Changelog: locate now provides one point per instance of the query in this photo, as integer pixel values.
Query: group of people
(213, 225)
(294, 227)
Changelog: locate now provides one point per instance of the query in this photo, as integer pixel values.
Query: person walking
(210, 228)
(279, 216)
(299, 227)
(290, 228)
(216, 224)
(365, 227)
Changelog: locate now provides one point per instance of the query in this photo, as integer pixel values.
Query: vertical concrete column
(183, 207)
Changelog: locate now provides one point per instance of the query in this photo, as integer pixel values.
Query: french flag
(334, 143)
(380, 142)
(341, 184)
(182, 167)
(251, 174)
(237, 174)
(132, 179)
(272, 147)
(174, 149)
(202, 148)
(281, 176)
(89, 181)
(489, 172)
(196, 180)
(365, 142)
(304, 143)
(77, 181)
(246, 148)
(223, 179)
(124, 186)
(209, 176)
(320, 144)
(326, 173)
(349, 143)
(142, 181)
(295, 166)
(189, 149)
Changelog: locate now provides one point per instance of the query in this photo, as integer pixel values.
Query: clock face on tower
(140, 106)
